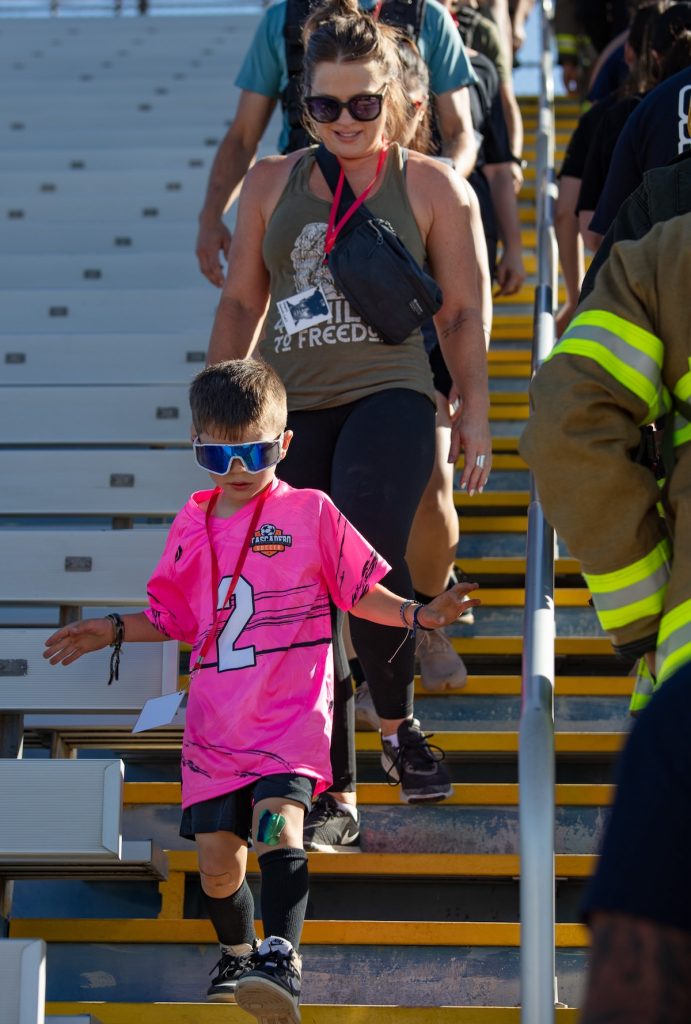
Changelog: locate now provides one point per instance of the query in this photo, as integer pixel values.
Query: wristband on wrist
(416, 621)
(118, 637)
(403, 609)
(518, 160)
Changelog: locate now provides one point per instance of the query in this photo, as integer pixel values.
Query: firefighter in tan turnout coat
(624, 362)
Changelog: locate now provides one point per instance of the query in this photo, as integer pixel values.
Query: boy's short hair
(237, 394)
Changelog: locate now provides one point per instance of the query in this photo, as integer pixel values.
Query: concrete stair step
(217, 1013)
(407, 962)
(460, 825)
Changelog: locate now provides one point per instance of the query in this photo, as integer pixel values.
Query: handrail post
(536, 732)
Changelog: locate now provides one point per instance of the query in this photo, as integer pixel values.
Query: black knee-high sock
(233, 916)
(285, 887)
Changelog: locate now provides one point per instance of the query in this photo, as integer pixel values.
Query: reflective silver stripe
(679, 638)
(612, 600)
(629, 354)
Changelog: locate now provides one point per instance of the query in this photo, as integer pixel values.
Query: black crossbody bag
(373, 269)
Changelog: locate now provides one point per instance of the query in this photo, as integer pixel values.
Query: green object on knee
(270, 828)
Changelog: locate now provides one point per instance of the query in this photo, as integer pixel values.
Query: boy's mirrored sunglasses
(327, 109)
(255, 456)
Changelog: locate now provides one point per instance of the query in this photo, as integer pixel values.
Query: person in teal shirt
(263, 77)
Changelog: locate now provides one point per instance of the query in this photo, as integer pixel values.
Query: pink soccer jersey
(261, 703)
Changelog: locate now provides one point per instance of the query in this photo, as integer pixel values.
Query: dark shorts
(232, 812)
(440, 373)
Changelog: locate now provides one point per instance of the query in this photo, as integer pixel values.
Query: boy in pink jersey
(247, 577)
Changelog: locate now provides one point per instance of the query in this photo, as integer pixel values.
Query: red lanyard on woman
(333, 228)
(212, 635)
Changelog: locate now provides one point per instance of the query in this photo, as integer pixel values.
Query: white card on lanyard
(306, 309)
(159, 711)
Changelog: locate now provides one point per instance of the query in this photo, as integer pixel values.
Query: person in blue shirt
(263, 77)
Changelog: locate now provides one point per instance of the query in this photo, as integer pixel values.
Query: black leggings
(373, 458)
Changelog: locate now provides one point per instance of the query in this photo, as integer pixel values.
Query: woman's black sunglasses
(327, 109)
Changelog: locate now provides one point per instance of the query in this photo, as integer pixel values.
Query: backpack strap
(291, 97)
(331, 169)
(405, 15)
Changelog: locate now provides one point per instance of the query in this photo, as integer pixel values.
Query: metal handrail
(536, 733)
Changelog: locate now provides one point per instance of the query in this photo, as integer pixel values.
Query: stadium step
(210, 1013)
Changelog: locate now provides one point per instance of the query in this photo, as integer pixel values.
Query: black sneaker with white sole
(416, 765)
(271, 990)
(230, 968)
(330, 829)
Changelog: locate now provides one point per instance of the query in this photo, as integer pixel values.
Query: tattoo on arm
(639, 972)
(459, 321)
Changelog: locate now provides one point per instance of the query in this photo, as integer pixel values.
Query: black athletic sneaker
(416, 765)
(230, 967)
(329, 829)
(271, 990)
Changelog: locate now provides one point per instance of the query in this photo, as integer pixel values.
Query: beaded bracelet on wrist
(118, 637)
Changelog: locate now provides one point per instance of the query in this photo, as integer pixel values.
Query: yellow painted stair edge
(404, 865)
(225, 1013)
(329, 933)
(474, 794)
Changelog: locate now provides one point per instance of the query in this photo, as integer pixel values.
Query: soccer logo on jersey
(269, 541)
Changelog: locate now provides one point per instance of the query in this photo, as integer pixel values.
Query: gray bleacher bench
(69, 706)
(30, 684)
(131, 310)
(23, 984)
(23, 980)
(110, 482)
(78, 567)
(126, 358)
(95, 415)
(98, 270)
(67, 822)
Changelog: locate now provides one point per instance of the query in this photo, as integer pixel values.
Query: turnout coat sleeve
(602, 382)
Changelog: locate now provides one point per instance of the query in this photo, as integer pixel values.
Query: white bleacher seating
(30, 684)
(95, 416)
(96, 271)
(22, 980)
(53, 359)
(100, 482)
(67, 822)
(78, 567)
(145, 234)
(128, 310)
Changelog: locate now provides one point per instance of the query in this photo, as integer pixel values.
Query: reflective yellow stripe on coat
(634, 592)
(627, 352)
(673, 641)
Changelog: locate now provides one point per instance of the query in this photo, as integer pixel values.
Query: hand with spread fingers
(449, 606)
(71, 642)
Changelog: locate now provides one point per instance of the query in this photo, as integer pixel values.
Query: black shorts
(232, 812)
(440, 373)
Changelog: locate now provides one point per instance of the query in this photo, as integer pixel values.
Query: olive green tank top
(342, 359)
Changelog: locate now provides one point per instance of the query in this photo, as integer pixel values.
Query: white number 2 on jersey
(229, 656)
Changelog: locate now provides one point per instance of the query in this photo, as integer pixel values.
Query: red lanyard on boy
(212, 635)
(333, 228)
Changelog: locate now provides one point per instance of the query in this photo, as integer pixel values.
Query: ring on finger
(480, 461)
